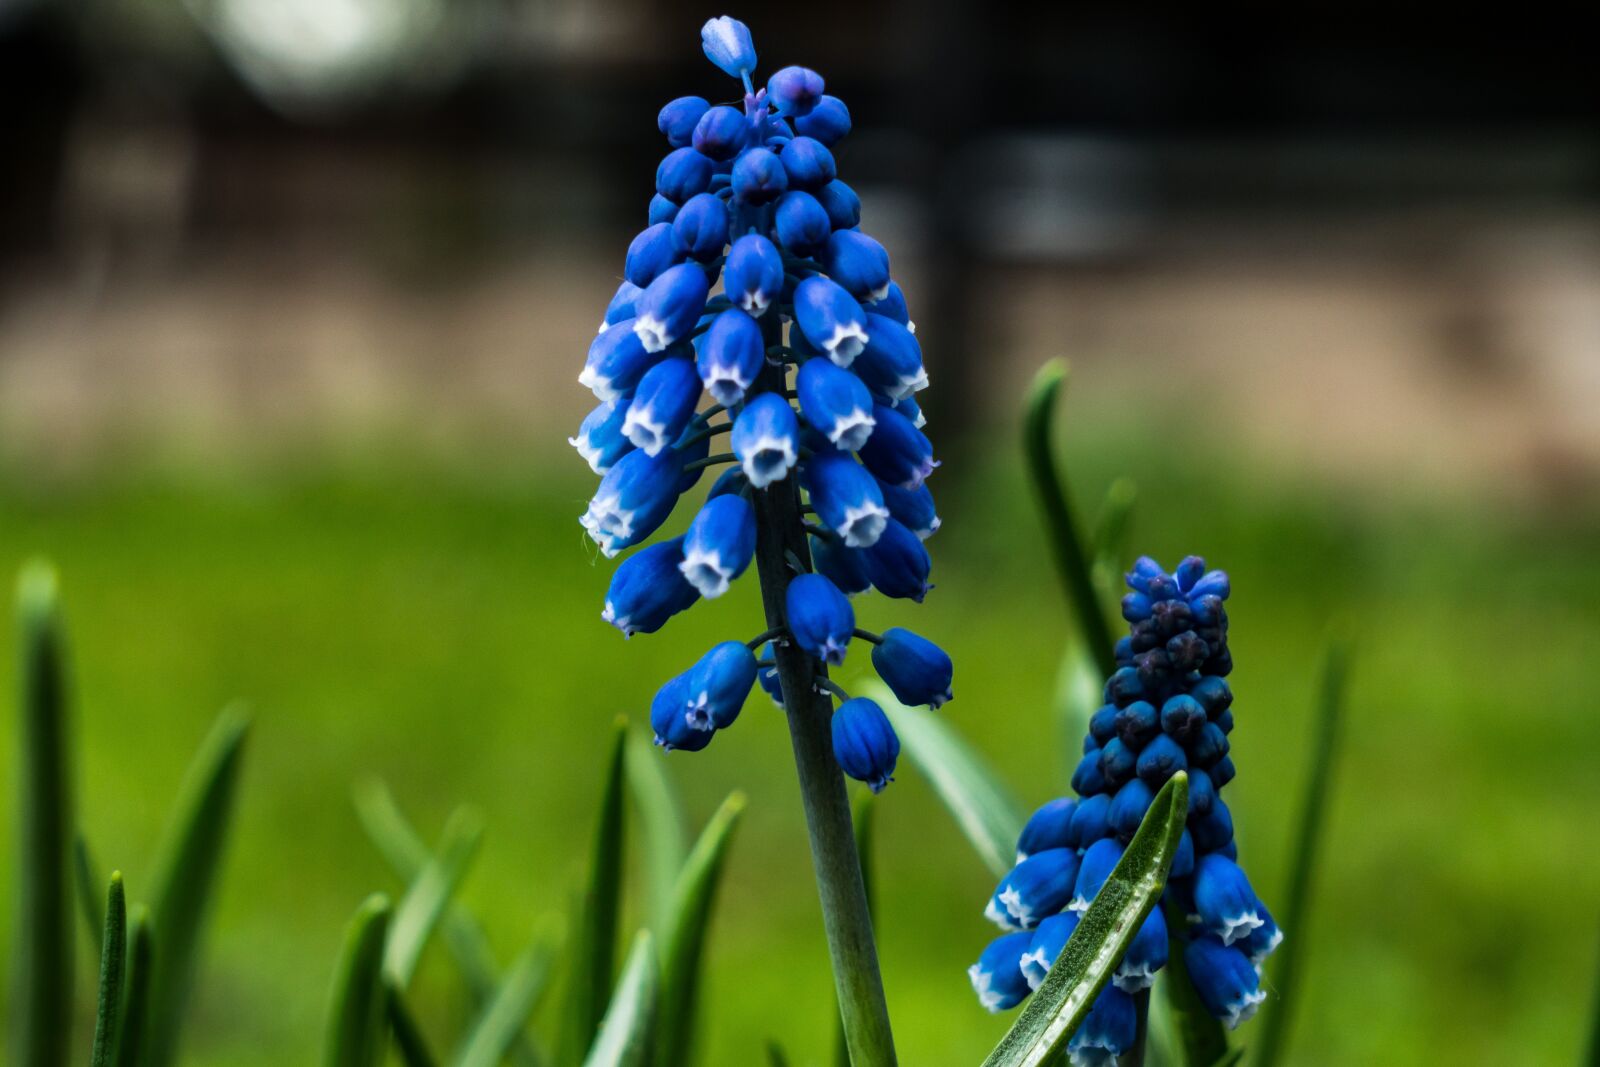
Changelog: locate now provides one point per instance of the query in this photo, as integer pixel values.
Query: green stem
(863, 1010)
(1061, 524)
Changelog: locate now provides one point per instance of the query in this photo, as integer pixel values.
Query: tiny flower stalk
(752, 286)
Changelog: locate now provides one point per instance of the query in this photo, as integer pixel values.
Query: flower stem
(780, 535)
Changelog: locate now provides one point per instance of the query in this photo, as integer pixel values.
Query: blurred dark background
(271, 213)
(294, 294)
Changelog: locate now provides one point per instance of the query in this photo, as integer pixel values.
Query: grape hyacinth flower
(1168, 708)
(753, 306)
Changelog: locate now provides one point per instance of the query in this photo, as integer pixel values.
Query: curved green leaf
(683, 939)
(662, 824)
(136, 999)
(982, 806)
(408, 1039)
(429, 895)
(188, 863)
(1110, 542)
(628, 1027)
(1272, 1034)
(499, 1026)
(109, 1002)
(403, 849)
(355, 1036)
(1061, 525)
(1102, 937)
(593, 952)
(41, 950)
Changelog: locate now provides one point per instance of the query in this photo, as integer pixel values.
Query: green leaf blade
(429, 894)
(187, 869)
(109, 1002)
(1272, 1035)
(1102, 938)
(136, 998)
(661, 821)
(408, 1039)
(404, 850)
(593, 952)
(41, 952)
(355, 1035)
(499, 1026)
(626, 1031)
(683, 939)
(982, 806)
(1067, 545)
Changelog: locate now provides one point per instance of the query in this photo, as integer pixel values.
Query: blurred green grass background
(433, 619)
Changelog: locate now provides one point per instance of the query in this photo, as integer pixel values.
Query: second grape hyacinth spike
(1167, 708)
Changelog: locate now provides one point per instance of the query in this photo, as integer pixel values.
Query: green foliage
(1072, 558)
(409, 1041)
(666, 838)
(628, 1027)
(108, 1004)
(41, 951)
(980, 803)
(136, 999)
(499, 1026)
(1272, 1035)
(683, 939)
(593, 951)
(1102, 937)
(356, 1017)
(429, 895)
(187, 866)
(406, 854)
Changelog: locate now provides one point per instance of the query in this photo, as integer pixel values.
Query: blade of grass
(91, 903)
(41, 952)
(683, 938)
(1061, 524)
(108, 1005)
(136, 998)
(1102, 937)
(403, 849)
(776, 1057)
(1231, 1059)
(594, 949)
(661, 821)
(1110, 541)
(424, 903)
(1272, 1034)
(355, 1035)
(862, 821)
(981, 805)
(627, 1029)
(1201, 1038)
(408, 1039)
(187, 867)
(499, 1025)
